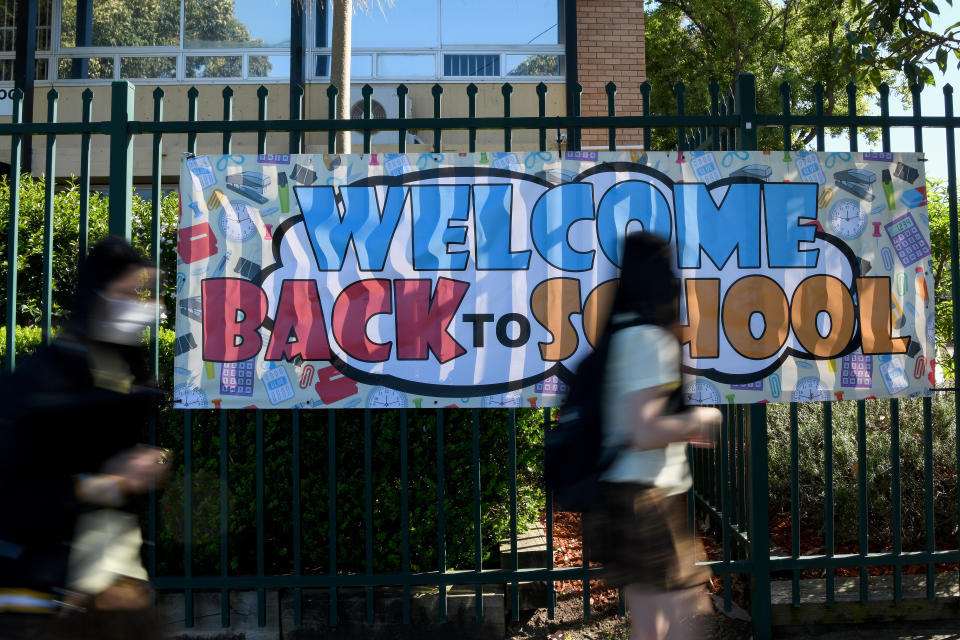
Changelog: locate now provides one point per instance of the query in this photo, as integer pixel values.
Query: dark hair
(648, 286)
(109, 259)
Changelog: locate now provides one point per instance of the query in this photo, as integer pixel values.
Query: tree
(340, 63)
(150, 23)
(938, 209)
(800, 42)
(898, 35)
(340, 59)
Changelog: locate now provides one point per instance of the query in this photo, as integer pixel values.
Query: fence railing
(731, 480)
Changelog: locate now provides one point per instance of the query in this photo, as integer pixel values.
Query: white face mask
(122, 321)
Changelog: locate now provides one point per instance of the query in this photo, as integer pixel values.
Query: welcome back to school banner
(469, 280)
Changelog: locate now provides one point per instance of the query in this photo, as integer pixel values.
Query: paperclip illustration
(215, 200)
(825, 197)
(531, 160)
(306, 376)
(831, 161)
(730, 156)
(224, 161)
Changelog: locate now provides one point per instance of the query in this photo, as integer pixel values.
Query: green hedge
(66, 244)
(878, 469)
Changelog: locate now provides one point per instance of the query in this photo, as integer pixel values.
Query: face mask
(122, 321)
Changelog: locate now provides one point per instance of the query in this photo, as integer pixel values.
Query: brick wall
(610, 46)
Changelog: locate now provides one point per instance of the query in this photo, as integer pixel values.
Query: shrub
(66, 244)
(386, 489)
(878, 469)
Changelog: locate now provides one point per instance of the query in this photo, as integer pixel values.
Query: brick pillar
(610, 46)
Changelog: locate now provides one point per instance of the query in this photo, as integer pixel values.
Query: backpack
(574, 456)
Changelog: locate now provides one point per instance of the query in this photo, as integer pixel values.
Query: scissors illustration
(531, 158)
(729, 157)
(832, 158)
(427, 157)
(223, 161)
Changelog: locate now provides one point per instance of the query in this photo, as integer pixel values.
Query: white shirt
(641, 357)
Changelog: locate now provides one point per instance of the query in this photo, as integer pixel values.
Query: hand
(708, 420)
(139, 468)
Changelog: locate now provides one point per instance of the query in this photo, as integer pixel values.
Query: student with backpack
(625, 400)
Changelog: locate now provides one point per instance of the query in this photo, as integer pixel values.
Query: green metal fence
(731, 480)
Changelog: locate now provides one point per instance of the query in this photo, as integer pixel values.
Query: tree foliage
(156, 23)
(699, 41)
(66, 234)
(938, 208)
(899, 35)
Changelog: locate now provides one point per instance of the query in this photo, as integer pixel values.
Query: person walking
(637, 525)
(72, 416)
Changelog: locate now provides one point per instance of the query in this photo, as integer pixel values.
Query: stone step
(531, 554)
(351, 612)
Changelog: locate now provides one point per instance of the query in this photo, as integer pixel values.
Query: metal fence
(731, 480)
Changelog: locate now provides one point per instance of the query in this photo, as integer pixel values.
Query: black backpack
(574, 456)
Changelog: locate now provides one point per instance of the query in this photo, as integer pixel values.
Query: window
(462, 39)
(8, 25)
(512, 22)
(471, 65)
(120, 23)
(251, 23)
(187, 40)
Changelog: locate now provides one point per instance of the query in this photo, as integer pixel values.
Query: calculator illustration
(506, 160)
(894, 377)
(202, 172)
(907, 240)
(856, 371)
(397, 164)
(277, 383)
(809, 167)
(236, 378)
(704, 165)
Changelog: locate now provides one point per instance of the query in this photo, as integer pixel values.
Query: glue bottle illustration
(283, 190)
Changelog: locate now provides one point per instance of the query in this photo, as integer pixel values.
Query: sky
(932, 104)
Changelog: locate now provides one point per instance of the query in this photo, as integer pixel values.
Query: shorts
(640, 534)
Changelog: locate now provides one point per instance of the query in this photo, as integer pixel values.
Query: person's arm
(651, 429)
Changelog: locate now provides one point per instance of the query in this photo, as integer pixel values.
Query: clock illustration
(236, 221)
(386, 398)
(701, 392)
(847, 219)
(809, 389)
(188, 396)
(501, 400)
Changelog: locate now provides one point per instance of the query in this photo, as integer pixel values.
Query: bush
(386, 489)
(879, 468)
(66, 244)
(26, 339)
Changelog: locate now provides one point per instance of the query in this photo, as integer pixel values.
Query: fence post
(759, 522)
(746, 106)
(759, 487)
(121, 158)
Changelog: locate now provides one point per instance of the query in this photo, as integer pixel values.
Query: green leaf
(942, 59)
